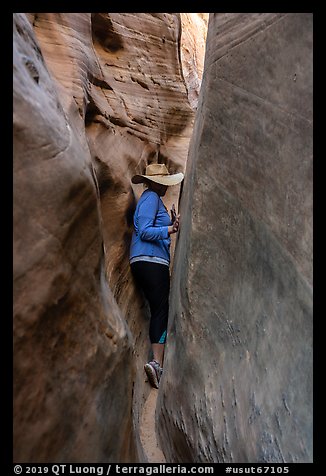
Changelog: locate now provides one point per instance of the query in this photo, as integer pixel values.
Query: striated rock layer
(237, 384)
(96, 98)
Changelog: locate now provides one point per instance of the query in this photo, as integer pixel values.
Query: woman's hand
(173, 213)
(175, 227)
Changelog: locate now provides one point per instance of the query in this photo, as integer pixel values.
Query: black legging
(154, 280)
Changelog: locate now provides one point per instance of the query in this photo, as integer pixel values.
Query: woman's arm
(146, 219)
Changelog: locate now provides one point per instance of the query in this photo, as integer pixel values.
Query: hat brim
(168, 180)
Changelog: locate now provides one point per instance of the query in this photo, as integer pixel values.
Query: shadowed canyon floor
(147, 430)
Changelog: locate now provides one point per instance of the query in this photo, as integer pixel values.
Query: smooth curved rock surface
(237, 383)
(70, 338)
(96, 97)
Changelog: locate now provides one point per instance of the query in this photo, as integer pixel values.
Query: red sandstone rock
(96, 98)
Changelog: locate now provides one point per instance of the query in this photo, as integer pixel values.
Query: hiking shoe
(153, 372)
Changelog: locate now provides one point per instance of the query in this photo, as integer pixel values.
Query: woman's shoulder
(149, 199)
(149, 194)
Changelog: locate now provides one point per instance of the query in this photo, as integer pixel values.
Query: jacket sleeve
(146, 219)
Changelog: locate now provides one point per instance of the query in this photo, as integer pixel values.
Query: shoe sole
(151, 374)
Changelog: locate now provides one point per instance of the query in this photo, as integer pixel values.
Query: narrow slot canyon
(226, 99)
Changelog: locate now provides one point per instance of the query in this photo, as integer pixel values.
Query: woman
(150, 256)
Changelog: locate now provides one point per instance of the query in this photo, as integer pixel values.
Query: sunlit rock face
(96, 98)
(193, 42)
(237, 383)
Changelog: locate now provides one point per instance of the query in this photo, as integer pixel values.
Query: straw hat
(158, 173)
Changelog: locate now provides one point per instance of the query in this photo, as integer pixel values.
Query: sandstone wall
(237, 384)
(96, 98)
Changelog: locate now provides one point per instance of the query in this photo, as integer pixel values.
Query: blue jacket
(151, 221)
